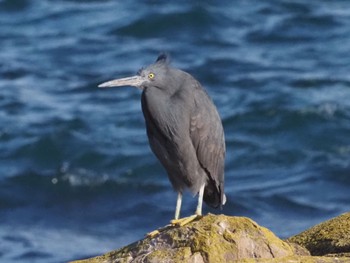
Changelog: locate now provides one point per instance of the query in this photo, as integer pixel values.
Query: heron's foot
(174, 223)
(185, 220)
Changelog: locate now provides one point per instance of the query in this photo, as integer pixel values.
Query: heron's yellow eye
(151, 75)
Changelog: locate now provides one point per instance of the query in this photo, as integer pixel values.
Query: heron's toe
(153, 233)
(185, 220)
(158, 231)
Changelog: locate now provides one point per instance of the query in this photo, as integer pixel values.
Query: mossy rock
(213, 238)
(330, 237)
(298, 259)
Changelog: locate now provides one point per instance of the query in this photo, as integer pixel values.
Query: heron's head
(153, 75)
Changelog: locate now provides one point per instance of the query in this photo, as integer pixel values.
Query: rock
(330, 237)
(296, 259)
(220, 238)
(213, 238)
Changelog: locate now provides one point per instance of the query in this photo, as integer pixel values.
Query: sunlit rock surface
(221, 238)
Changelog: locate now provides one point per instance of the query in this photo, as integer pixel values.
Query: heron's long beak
(134, 81)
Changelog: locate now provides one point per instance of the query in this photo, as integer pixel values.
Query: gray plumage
(184, 130)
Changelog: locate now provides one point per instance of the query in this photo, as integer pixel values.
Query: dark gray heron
(184, 131)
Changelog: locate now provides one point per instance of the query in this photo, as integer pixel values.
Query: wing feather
(207, 137)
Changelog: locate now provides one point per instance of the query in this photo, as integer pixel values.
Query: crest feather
(163, 58)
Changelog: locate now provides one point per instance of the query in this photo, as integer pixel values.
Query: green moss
(177, 255)
(219, 238)
(297, 259)
(332, 236)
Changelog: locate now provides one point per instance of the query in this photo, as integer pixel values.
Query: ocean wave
(169, 24)
(69, 185)
(75, 159)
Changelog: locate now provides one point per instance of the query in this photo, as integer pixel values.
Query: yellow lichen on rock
(220, 238)
(210, 239)
(296, 259)
(332, 236)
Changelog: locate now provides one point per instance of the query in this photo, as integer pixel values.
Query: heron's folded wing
(207, 137)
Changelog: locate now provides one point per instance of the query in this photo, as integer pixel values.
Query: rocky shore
(221, 238)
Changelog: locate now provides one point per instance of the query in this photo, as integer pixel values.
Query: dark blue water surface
(77, 177)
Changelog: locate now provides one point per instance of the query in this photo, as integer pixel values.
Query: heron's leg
(177, 215)
(178, 205)
(200, 201)
(186, 220)
(182, 221)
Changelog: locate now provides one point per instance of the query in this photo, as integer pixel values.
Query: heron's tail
(214, 196)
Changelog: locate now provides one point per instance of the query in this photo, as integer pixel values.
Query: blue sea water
(77, 177)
